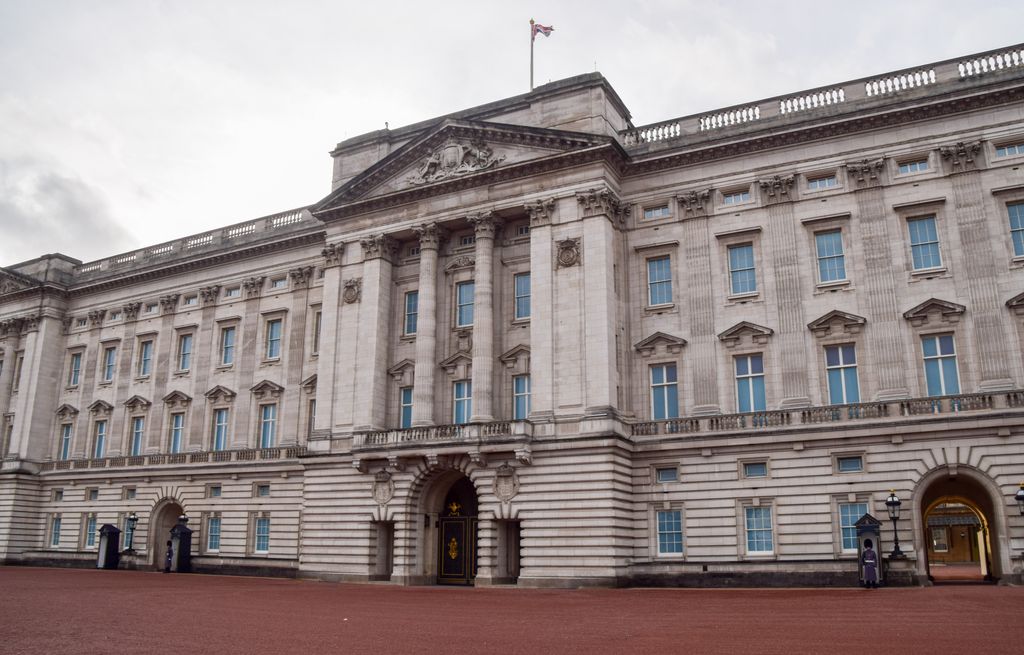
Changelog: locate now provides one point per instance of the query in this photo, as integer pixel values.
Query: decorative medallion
(568, 252)
(383, 487)
(454, 159)
(506, 483)
(353, 290)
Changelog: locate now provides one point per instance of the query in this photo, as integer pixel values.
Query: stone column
(485, 225)
(541, 314)
(9, 334)
(164, 365)
(294, 397)
(202, 348)
(326, 364)
(120, 438)
(41, 339)
(374, 333)
(700, 300)
(248, 351)
(431, 236)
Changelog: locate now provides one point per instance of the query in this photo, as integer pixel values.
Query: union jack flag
(537, 28)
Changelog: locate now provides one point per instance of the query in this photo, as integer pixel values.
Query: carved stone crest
(383, 487)
(454, 159)
(506, 483)
(568, 252)
(353, 290)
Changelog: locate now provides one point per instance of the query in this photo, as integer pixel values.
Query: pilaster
(483, 318)
(327, 360)
(41, 338)
(370, 411)
(702, 352)
(431, 236)
(541, 310)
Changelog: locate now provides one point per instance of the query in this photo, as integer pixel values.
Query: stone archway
(448, 506)
(949, 492)
(163, 517)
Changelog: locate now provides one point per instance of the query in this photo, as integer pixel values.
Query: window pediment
(512, 356)
(266, 389)
(100, 408)
(220, 394)
(945, 311)
(757, 334)
(177, 399)
(398, 370)
(136, 403)
(648, 346)
(836, 320)
(1016, 304)
(66, 411)
(458, 362)
(309, 384)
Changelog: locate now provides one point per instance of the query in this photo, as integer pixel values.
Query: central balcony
(474, 439)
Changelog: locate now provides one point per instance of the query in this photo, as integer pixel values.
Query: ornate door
(457, 536)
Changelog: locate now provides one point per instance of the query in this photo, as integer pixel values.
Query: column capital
(694, 203)
(776, 188)
(540, 211)
(253, 286)
(209, 294)
(379, 246)
(301, 276)
(961, 156)
(603, 202)
(431, 235)
(484, 224)
(131, 310)
(866, 172)
(332, 254)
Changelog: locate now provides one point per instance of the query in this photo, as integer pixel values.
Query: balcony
(190, 459)
(474, 440)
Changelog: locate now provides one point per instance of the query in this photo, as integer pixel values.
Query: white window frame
(176, 433)
(186, 340)
(213, 533)
(411, 315)
(273, 345)
(937, 242)
(842, 367)
(659, 284)
(843, 526)
(733, 271)
(518, 394)
(465, 399)
(821, 182)
(268, 425)
(770, 530)
(64, 443)
(459, 305)
(820, 258)
(75, 368)
(136, 436)
(109, 363)
(658, 512)
(261, 524)
(99, 439)
(664, 388)
(519, 299)
(145, 364)
(226, 349)
(657, 211)
(940, 357)
(220, 430)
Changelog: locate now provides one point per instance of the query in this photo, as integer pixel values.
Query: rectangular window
(750, 396)
(464, 303)
(1010, 149)
(659, 281)
(412, 311)
(735, 198)
(184, 352)
(145, 358)
(213, 534)
(850, 464)
(109, 363)
(667, 474)
(758, 524)
(831, 261)
(463, 405)
(150, 308)
(660, 211)
(849, 514)
(233, 292)
(227, 345)
(268, 425)
(917, 166)
(58, 494)
(177, 432)
(19, 361)
(318, 319)
(127, 533)
(755, 469)
(220, 429)
(742, 276)
(824, 182)
(92, 494)
(138, 433)
(940, 370)
(670, 532)
(405, 408)
(75, 369)
(190, 301)
(520, 397)
(274, 338)
(664, 392)
(262, 535)
(924, 243)
(841, 369)
(90, 531)
(213, 491)
(523, 231)
(467, 240)
(100, 440)
(312, 417)
(262, 491)
(1016, 213)
(65, 441)
(522, 289)
(55, 532)
(279, 283)
(940, 538)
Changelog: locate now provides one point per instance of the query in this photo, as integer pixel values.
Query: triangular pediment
(177, 398)
(460, 357)
(513, 354)
(758, 334)
(66, 411)
(401, 367)
(11, 281)
(867, 519)
(100, 408)
(1016, 304)
(836, 320)
(136, 402)
(309, 384)
(220, 393)
(948, 312)
(266, 389)
(455, 150)
(648, 346)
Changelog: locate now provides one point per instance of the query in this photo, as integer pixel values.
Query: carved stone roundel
(353, 290)
(568, 252)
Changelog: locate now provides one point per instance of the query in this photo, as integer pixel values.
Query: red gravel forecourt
(91, 611)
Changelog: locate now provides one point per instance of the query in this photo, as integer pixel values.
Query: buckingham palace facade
(531, 343)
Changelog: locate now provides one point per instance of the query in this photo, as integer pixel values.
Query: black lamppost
(1020, 498)
(892, 503)
(133, 519)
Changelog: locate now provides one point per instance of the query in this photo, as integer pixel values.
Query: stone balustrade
(854, 95)
(441, 434)
(163, 459)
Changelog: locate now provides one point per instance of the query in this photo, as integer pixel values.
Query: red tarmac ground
(124, 612)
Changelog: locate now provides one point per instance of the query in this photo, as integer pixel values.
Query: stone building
(530, 342)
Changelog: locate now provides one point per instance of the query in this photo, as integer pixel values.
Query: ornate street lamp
(1020, 498)
(133, 519)
(892, 504)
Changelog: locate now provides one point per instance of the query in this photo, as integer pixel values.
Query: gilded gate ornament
(454, 508)
(453, 548)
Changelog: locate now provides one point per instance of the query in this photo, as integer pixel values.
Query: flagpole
(531, 54)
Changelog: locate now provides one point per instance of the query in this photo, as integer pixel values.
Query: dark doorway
(456, 546)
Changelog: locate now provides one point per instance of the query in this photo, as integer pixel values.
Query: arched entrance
(162, 519)
(961, 531)
(448, 547)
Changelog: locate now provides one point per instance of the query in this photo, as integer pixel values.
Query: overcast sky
(127, 123)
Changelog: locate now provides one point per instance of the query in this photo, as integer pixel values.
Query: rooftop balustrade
(165, 459)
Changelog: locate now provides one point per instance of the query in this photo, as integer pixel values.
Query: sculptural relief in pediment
(455, 158)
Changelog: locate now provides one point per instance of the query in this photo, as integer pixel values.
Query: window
(190, 301)
(99, 440)
(666, 474)
(90, 531)
(127, 532)
(81, 322)
(412, 309)
(940, 538)
(213, 491)
(233, 292)
(940, 369)
(742, 276)
(318, 318)
(92, 494)
(523, 230)
(463, 405)
(1010, 149)
(55, 532)
(841, 369)
(849, 514)
(464, 303)
(916, 166)
(311, 419)
(755, 469)
(268, 425)
(831, 262)
(262, 534)
(664, 392)
(758, 526)
(262, 491)
(735, 197)
(660, 211)
(750, 395)
(213, 534)
(279, 283)
(220, 429)
(184, 352)
(65, 441)
(670, 532)
(75, 369)
(145, 358)
(114, 315)
(850, 464)
(659, 281)
(520, 397)
(414, 251)
(150, 308)
(467, 240)
(924, 243)
(109, 362)
(177, 431)
(405, 408)
(138, 432)
(129, 493)
(823, 182)
(1016, 213)
(19, 361)
(58, 494)
(227, 345)
(522, 292)
(274, 338)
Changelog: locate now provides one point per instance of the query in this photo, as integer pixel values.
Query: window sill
(225, 367)
(181, 374)
(105, 383)
(669, 308)
(142, 378)
(832, 287)
(408, 337)
(743, 298)
(71, 387)
(270, 362)
(669, 557)
(928, 273)
(521, 321)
